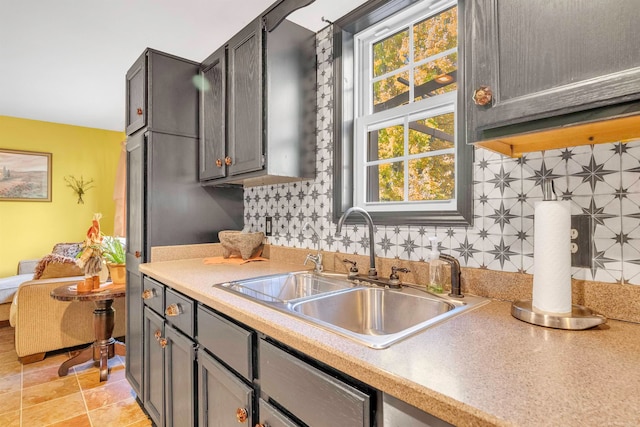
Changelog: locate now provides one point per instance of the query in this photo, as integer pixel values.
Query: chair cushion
(53, 265)
(9, 286)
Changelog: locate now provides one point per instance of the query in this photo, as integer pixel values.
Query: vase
(118, 273)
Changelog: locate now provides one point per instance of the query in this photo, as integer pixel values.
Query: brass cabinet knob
(241, 415)
(227, 161)
(139, 111)
(261, 425)
(163, 342)
(157, 335)
(138, 254)
(173, 310)
(219, 163)
(482, 96)
(149, 293)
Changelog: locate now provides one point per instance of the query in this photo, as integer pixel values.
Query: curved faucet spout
(373, 273)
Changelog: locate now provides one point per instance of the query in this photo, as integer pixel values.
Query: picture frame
(25, 176)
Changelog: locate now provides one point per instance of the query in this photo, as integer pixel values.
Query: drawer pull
(149, 293)
(139, 111)
(219, 163)
(242, 415)
(163, 342)
(158, 334)
(138, 254)
(262, 425)
(228, 161)
(174, 310)
(482, 96)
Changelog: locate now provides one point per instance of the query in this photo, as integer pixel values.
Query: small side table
(105, 346)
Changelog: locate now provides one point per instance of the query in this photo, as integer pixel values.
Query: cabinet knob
(482, 96)
(173, 310)
(219, 163)
(241, 415)
(139, 111)
(157, 335)
(163, 342)
(227, 161)
(261, 425)
(138, 254)
(148, 293)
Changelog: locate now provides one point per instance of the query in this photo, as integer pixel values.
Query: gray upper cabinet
(245, 100)
(543, 60)
(257, 109)
(213, 117)
(161, 95)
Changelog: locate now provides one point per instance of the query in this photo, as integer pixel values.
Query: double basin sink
(374, 316)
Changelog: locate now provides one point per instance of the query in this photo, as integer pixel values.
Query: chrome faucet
(456, 291)
(316, 259)
(373, 273)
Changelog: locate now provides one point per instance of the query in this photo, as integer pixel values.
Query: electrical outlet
(268, 224)
(581, 241)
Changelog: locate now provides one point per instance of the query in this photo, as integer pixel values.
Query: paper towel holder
(580, 317)
(548, 190)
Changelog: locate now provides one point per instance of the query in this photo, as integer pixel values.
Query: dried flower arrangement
(79, 186)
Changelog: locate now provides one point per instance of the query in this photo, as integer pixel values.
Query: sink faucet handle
(395, 270)
(317, 260)
(353, 270)
(394, 279)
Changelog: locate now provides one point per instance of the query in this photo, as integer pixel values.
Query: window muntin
(404, 157)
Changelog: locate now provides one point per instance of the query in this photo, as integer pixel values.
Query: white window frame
(366, 121)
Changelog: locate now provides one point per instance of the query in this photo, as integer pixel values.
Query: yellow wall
(30, 229)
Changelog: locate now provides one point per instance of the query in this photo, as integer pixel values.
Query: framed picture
(25, 176)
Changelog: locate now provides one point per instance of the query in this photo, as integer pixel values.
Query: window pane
(385, 182)
(386, 143)
(391, 92)
(436, 77)
(391, 53)
(431, 134)
(435, 34)
(432, 178)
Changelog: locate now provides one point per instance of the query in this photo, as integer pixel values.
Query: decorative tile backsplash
(602, 181)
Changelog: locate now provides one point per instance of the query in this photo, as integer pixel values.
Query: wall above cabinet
(546, 75)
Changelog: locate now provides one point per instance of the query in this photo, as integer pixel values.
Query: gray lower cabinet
(169, 367)
(397, 413)
(546, 59)
(224, 399)
(153, 394)
(272, 417)
(311, 395)
(180, 369)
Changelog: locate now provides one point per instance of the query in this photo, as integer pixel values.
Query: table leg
(104, 347)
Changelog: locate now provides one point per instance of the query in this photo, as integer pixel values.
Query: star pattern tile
(505, 192)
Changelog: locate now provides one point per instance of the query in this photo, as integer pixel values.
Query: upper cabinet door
(212, 116)
(545, 59)
(136, 93)
(245, 100)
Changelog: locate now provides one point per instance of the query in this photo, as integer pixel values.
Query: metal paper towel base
(580, 318)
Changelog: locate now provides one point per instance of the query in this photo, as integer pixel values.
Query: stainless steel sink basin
(374, 316)
(378, 317)
(287, 287)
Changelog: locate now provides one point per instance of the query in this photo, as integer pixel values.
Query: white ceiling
(65, 61)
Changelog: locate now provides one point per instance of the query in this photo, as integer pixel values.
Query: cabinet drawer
(226, 340)
(179, 311)
(153, 295)
(272, 417)
(311, 395)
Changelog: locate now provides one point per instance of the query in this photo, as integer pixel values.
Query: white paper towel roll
(552, 257)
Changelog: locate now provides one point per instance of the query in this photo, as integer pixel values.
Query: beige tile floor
(33, 395)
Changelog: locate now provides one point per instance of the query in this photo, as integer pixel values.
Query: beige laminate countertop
(483, 367)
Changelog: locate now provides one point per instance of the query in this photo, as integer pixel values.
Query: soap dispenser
(436, 268)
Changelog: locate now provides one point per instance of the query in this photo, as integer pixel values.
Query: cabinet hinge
(264, 160)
